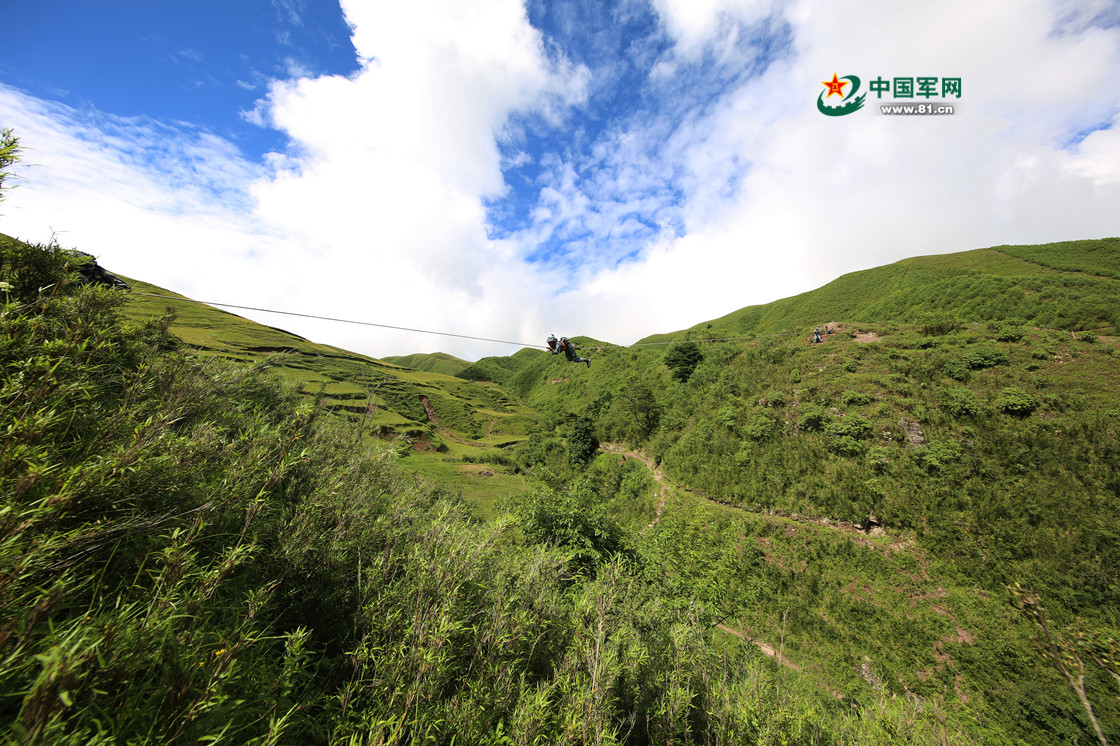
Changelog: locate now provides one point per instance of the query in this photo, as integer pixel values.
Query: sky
(513, 168)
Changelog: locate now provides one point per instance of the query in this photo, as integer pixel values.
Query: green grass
(376, 396)
(776, 448)
(1077, 279)
(436, 362)
(193, 552)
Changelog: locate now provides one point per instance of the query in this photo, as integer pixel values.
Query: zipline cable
(450, 334)
(341, 321)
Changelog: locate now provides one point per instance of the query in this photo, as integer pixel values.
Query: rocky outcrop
(913, 431)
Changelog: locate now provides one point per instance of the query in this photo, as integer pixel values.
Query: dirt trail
(861, 535)
(665, 488)
(657, 475)
(769, 651)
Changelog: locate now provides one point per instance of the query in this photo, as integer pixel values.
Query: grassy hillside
(434, 362)
(856, 509)
(193, 552)
(1070, 286)
(444, 426)
(980, 453)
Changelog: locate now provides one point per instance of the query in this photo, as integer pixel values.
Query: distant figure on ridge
(568, 347)
(90, 272)
(817, 335)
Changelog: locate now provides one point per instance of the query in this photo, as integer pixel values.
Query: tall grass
(189, 555)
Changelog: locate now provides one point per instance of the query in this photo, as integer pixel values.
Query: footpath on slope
(665, 487)
(872, 529)
(657, 475)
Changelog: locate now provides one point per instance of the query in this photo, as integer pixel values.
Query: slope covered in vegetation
(870, 499)
(435, 362)
(219, 550)
(384, 397)
(1070, 286)
(192, 552)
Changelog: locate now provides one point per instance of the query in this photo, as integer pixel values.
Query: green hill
(444, 427)
(1071, 285)
(965, 409)
(779, 541)
(189, 544)
(434, 362)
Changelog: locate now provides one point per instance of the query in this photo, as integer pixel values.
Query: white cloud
(697, 25)
(378, 211)
(780, 199)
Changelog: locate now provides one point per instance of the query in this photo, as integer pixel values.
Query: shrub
(960, 402)
(573, 520)
(744, 455)
(775, 399)
(9, 154)
(879, 458)
(1006, 331)
(938, 325)
(32, 271)
(936, 455)
(582, 443)
(845, 445)
(856, 398)
(1016, 402)
(956, 370)
(812, 419)
(682, 359)
(852, 426)
(760, 427)
(985, 357)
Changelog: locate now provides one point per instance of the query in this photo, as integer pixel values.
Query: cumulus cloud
(779, 199)
(679, 168)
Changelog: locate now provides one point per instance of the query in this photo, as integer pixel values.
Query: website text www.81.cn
(916, 109)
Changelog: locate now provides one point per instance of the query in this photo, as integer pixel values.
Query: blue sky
(201, 62)
(509, 169)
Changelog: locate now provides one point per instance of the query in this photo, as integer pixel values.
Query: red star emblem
(835, 86)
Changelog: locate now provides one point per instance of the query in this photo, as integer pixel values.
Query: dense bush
(1016, 402)
(960, 402)
(938, 325)
(937, 455)
(582, 443)
(856, 398)
(812, 419)
(850, 426)
(760, 427)
(958, 370)
(1006, 331)
(979, 358)
(845, 445)
(682, 360)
